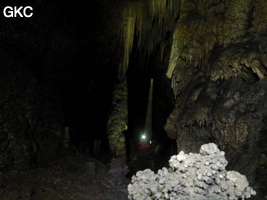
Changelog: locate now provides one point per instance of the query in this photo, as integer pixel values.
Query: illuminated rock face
(225, 103)
(216, 61)
(218, 74)
(204, 25)
(230, 112)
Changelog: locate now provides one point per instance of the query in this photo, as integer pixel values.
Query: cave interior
(75, 87)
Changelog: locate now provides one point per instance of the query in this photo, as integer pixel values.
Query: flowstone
(192, 176)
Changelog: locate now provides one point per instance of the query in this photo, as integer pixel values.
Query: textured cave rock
(203, 25)
(218, 73)
(27, 119)
(230, 110)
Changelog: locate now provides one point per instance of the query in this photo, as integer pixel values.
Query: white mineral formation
(192, 176)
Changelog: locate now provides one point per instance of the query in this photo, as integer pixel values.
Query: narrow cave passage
(138, 88)
(153, 152)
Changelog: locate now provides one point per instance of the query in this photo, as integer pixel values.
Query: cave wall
(29, 114)
(218, 75)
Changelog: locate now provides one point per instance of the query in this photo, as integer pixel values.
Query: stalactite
(128, 37)
(137, 21)
(148, 27)
(181, 37)
(170, 5)
(158, 8)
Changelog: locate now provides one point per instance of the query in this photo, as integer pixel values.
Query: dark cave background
(58, 70)
(55, 73)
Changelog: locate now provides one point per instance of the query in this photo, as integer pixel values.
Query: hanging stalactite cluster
(200, 27)
(145, 21)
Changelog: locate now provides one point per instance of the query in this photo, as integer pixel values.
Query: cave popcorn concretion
(193, 176)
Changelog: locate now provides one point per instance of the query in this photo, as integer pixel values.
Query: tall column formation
(118, 120)
(148, 123)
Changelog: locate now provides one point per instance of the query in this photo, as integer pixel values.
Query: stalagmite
(66, 142)
(148, 123)
(118, 120)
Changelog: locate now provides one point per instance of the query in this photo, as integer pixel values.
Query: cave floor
(68, 178)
